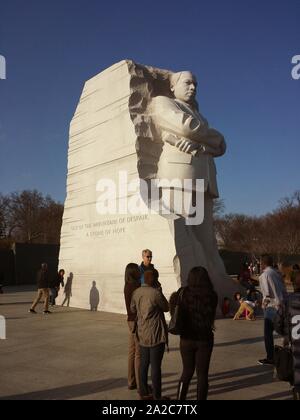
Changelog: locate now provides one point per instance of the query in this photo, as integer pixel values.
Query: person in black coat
(197, 310)
(43, 289)
(55, 286)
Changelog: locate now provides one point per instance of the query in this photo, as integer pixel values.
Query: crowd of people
(148, 330)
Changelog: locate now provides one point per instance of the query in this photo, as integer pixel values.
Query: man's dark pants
(268, 332)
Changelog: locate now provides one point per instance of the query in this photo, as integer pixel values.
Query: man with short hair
(43, 289)
(147, 265)
(274, 294)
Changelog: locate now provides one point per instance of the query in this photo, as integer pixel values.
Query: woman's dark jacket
(197, 311)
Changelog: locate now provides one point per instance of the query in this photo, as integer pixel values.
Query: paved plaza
(78, 354)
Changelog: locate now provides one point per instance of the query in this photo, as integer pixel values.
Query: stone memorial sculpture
(143, 123)
(184, 147)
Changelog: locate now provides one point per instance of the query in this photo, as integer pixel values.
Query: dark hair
(296, 267)
(267, 260)
(198, 279)
(149, 277)
(236, 295)
(61, 271)
(200, 300)
(131, 273)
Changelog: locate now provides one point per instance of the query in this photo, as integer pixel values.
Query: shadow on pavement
(71, 391)
(260, 376)
(242, 341)
(281, 395)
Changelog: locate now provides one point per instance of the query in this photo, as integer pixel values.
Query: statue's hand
(187, 146)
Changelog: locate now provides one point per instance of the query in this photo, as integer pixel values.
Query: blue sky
(240, 51)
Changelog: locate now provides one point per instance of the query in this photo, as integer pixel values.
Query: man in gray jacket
(150, 304)
(274, 294)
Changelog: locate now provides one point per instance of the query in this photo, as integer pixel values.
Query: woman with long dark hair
(197, 305)
(132, 282)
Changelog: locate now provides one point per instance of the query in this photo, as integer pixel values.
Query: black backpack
(284, 364)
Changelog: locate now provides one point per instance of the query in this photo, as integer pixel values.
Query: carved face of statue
(184, 86)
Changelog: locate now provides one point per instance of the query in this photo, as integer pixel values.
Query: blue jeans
(53, 295)
(268, 332)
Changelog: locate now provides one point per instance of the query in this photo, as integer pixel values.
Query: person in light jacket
(150, 304)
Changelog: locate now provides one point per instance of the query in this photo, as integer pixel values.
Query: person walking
(43, 289)
(55, 286)
(246, 307)
(197, 310)
(132, 282)
(274, 294)
(149, 304)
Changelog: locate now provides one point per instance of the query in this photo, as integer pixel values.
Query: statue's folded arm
(168, 117)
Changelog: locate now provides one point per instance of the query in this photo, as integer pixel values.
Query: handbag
(284, 364)
(175, 324)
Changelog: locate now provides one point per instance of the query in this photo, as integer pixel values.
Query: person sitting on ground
(246, 306)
